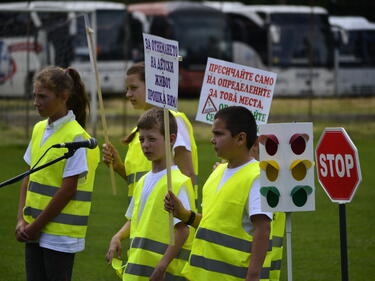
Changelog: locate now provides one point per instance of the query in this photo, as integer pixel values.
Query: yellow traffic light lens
(299, 169)
(271, 168)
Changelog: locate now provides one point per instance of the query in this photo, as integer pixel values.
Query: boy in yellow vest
(150, 256)
(232, 237)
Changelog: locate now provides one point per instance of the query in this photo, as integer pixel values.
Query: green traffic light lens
(272, 195)
(299, 194)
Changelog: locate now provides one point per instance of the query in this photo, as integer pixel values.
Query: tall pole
(343, 243)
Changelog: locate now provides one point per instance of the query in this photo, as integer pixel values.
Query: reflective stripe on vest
(223, 240)
(61, 218)
(223, 267)
(276, 265)
(233, 242)
(157, 247)
(277, 241)
(51, 190)
(132, 178)
(146, 271)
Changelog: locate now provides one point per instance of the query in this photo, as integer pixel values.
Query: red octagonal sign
(337, 166)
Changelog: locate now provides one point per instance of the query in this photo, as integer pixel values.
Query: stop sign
(337, 166)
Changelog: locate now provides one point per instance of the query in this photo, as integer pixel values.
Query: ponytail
(130, 137)
(78, 100)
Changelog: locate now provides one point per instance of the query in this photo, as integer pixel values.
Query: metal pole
(343, 243)
(288, 231)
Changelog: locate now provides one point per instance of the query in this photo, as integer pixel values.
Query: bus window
(369, 38)
(111, 35)
(202, 36)
(110, 38)
(15, 24)
(352, 53)
(298, 45)
(56, 25)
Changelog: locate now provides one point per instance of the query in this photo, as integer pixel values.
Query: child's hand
(158, 274)
(110, 155)
(21, 236)
(114, 250)
(173, 205)
(31, 233)
(214, 166)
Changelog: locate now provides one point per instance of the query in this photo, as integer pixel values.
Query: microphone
(90, 143)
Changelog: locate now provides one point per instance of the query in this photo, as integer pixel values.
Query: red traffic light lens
(298, 143)
(270, 143)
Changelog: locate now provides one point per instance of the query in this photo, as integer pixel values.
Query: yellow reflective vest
(136, 164)
(149, 233)
(221, 248)
(277, 234)
(43, 184)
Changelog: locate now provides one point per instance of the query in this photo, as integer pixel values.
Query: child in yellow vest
(150, 256)
(232, 237)
(136, 164)
(55, 201)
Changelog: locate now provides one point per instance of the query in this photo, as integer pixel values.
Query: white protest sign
(228, 84)
(161, 71)
(286, 158)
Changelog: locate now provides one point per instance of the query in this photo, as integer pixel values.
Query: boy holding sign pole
(232, 237)
(150, 256)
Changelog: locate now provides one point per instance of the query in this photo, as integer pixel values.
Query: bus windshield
(359, 50)
(201, 36)
(110, 39)
(301, 36)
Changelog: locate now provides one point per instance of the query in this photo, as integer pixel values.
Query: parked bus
(293, 41)
(201, 32)
(36, 34)
(355, 69)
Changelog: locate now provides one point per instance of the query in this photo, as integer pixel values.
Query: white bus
(356, 55)
(293, 41)
(200, 30)
(36, 34)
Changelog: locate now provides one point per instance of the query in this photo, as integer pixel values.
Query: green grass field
(315, 237)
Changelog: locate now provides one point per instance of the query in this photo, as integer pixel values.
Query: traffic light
(286, 167)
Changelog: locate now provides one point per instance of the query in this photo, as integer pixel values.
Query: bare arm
(181, 234)
(21, 223)
(111, 155)
(183, 159)
(174, 205)
(259, 246)
(61, 198)
(115, 249)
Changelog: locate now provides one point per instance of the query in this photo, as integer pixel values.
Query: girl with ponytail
(55, 201)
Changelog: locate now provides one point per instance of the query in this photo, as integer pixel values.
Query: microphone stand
(67, 155)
